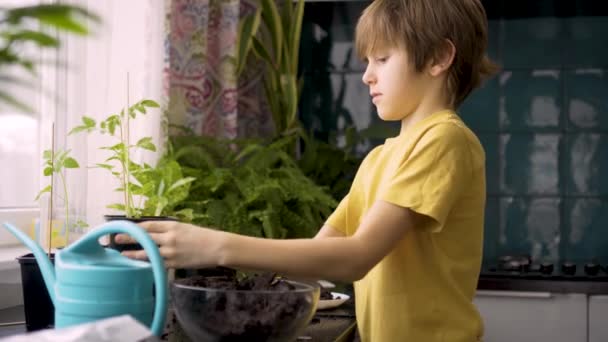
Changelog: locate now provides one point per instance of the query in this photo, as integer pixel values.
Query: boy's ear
(443, 59)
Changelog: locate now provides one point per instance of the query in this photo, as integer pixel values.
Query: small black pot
(37, 304)
(131, 246)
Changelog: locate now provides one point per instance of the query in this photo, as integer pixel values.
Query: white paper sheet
(115, 329)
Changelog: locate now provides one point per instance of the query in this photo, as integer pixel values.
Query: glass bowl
(213, 314)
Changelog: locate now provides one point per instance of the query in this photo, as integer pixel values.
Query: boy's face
(396, 88)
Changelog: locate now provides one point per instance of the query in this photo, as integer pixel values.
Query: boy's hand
(181, 245)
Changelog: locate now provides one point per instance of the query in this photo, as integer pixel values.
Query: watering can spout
(45, 265)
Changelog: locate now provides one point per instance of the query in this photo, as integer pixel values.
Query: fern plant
(250, 188)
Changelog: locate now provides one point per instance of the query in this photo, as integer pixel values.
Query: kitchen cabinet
(534, 316)
(598, 318)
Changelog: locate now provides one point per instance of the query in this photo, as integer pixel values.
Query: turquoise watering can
(91, 282)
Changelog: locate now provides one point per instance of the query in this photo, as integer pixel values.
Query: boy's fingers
(154, 226)
(124, 238)
(158, 238)
(139, 255)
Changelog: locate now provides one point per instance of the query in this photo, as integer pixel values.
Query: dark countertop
(564, 285)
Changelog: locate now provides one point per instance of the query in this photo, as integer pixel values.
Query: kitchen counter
(328, 325)
(590, 287)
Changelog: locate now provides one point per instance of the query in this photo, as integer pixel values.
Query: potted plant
(38, 308)
(148, 193)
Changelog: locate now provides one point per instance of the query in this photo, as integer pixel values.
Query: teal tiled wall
(543, 121)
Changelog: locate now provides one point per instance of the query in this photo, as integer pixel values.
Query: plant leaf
(105, 166)
(248, 29)
(260, 51)
(150, 103)
(181, 183)
(70, 163)
(294, 35)
(272, 19)
(117, 206)
(46, 189)
(10, 100)
(146, 143)
(64, 17)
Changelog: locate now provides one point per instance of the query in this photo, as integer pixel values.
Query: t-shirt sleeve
(435, 174)
(337, 220)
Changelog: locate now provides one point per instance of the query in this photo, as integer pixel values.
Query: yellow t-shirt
(422, 291)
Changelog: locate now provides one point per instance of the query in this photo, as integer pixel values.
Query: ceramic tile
(587, 99)
(530, 226)
(491, 229)
(480, 110)
(587, 41)
(494, 40)
(490, 146)
(531, 100)
(532, 43)
(587, 164)
(585, 237)
(530, 164)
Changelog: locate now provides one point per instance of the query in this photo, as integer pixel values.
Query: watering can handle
(160, 275)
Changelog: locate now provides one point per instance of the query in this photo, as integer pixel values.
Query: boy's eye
(381, 59)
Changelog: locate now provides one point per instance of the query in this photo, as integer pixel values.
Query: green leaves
(250, 188)
(88, 125)
(146, 144)
(16, 32)
(158, 189)
(64, 17)
(55, 163)
(279, 49)
(248, 28)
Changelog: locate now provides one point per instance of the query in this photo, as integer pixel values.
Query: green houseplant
(55, 164)
(146, 190)
(250, 188)
(278, 46)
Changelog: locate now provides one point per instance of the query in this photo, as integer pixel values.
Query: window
(20, 144)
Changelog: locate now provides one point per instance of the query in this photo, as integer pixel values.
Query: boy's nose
(367, 77)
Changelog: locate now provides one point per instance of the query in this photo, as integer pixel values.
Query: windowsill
(8, 256)
(10, 276)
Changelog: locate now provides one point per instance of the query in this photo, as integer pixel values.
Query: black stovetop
(525, 274)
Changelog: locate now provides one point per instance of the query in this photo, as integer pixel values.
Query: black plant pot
(131, 246)
(38, 307)
(182, 273)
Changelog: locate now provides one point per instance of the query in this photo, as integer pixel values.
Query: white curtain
(129, 41)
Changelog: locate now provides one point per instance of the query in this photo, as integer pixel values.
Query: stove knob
(592, 268)
(569, 268)
(546, 268)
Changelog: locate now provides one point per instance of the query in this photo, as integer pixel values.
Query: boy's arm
(328, 231)
(333, 258)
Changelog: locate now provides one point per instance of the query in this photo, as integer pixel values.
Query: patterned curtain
(202, 89)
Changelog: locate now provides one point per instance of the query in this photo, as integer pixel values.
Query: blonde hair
(422, 28)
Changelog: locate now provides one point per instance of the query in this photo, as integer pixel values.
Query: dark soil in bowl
(261, 307)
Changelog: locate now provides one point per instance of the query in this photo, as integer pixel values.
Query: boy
(409, 233)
